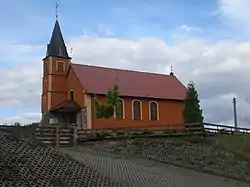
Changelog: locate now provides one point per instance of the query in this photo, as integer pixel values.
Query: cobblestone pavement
(137, 172)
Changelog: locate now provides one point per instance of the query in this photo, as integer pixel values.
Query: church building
(68, 90)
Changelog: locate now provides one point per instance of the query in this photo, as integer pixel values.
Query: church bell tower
(55, 67)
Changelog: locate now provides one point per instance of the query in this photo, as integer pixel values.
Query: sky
(207, 42)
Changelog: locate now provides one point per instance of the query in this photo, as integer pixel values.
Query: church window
(60, 66)
(153, 110)
(71, 95)
(136, 109)
(119, 113)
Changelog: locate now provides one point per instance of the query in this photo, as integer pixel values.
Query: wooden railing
(154, 131)
(51, 135)
(69, 136)
(215, 128)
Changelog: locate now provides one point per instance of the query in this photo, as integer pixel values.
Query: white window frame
(157, 108)
(123, 109)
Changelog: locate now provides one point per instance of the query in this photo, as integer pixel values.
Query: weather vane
(57, 5)
(70, 50)
(171, 69)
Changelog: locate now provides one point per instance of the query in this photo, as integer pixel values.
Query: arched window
(119, 113)
(71, 95)
(136, 110)
(153, 108)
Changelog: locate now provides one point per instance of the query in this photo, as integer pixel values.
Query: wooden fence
(51, 135)
(70, 136)
(156, 131)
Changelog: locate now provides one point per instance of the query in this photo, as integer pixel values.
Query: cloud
(21, 85)
(220, 71)
(24, 119)
(100, 30)
(20, 80)
(185, 28)
(105, 30)
(236, 12)
(18, 54)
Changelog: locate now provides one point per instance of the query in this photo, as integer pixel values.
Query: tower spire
(56, 46)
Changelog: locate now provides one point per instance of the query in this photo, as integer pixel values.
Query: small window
(153, 111)
(45, 85)
(45, 68)
(119, 111)
(71, 95)
(44, 100)
(60, 66)
(137, 110)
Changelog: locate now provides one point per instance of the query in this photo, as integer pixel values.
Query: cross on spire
(57, 5)
(171, 70)
(71, 50)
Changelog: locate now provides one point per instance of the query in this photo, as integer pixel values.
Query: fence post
(75, 136)
(86, 134)
(57, 136)
(185, 130)
(203, 131)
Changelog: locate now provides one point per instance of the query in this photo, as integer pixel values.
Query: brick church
(68, 90)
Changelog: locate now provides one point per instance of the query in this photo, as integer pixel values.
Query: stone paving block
(25, 166)
(136, 172)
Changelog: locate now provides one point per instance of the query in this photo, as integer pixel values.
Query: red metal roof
(98, 80)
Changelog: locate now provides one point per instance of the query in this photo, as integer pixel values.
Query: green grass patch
(237, 144)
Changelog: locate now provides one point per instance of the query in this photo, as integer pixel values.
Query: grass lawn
(237, 144)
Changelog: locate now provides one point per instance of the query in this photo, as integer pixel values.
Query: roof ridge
(119, 69)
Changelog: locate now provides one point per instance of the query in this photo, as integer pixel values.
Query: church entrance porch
(66, 114)
(65, 118)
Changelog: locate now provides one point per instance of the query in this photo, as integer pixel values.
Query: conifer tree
(192, 113)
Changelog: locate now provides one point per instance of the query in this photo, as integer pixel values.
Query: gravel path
(137, 172)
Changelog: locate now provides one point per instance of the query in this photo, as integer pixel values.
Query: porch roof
(66, 106)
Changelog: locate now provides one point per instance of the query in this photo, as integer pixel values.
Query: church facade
(68, 90)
